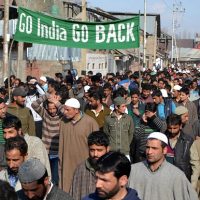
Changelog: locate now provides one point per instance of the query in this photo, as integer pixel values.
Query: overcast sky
(188, 22)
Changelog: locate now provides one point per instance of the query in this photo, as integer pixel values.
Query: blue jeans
(54, 168)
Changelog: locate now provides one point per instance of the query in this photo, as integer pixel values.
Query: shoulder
(187, 137)
(32, 139)
(92, 196)
(137, 166)
(87, 118)
(3, 174)
(131, 195)
(60, 194)
(176, 173)
(81, 167)
(128, 117)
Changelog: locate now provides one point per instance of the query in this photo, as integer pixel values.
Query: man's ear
(46, 181)
(108, 148)
(20, 131)
(165, 150)
(123, 180)
(26, 157)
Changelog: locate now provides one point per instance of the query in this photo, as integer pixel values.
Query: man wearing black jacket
(178, 151)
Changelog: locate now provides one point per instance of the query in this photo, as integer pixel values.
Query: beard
(93, 162)
(32, 91)
(109, 194)
(94, 107)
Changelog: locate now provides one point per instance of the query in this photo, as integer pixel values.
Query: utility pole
(177, 9)
(6, 39)
(83, 51)
(144, 40)
(155, 43)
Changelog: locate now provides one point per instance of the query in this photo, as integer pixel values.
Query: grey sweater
(167, 183)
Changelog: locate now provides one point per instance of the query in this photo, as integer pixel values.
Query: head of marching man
(34, 179)
(72, 109)
(98, 145)
(156, 149)
(112, 173)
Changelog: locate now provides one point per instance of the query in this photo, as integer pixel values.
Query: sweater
(138, 145)
(73, 148)
(25, 115)
(50, 125)
(84, 181)
(166, 183)
(131, 195)
(100, 117)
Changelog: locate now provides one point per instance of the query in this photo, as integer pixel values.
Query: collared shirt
(149, 167)
(12, 178)
(51, 186)
(97, 113)
(79, 118)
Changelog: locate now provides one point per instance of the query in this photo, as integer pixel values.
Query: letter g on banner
(25, 23)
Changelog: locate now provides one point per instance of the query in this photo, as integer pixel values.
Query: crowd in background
(56, 117)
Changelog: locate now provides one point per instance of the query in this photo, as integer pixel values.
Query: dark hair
(3, 91)
(11, 122)
(120, 92)
(1, 100)
(95, 95)
(99, 138)
(41, 180)
(59, 75)
(79, 82)
(107, 86)
(134, 91)
(151, 107)
(7, 192)
(63, 93)
(157, 93)
(168, 87)
(161, 79)
(185, 90)
(173, 119)
(54, 84)
(116, 162)
(18, 143)
(146, 86)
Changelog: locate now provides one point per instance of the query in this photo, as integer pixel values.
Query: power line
(169, 7)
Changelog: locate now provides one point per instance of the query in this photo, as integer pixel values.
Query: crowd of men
(132, 135)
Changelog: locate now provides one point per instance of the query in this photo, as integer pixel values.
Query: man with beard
(74, 130)
(97, 110)
(34, 92)
(12, 127)
(184, 101)
(155, 178)
(84, 177)
(112, 173)
(17, 108)
(3, 114)
(146, 94)
(51, 117)
(16, 150)
(36, 184)
(178, 150)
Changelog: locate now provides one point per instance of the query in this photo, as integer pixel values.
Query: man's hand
(53, 98)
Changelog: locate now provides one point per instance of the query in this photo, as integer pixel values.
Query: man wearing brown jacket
(73, 148)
